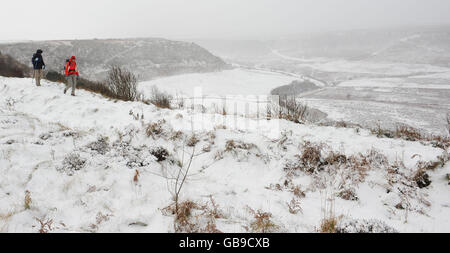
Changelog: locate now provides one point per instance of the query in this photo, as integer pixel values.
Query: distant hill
(147, 58)
(412, 45)
(418, 45)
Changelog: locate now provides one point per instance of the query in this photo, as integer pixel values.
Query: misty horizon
(216, 19)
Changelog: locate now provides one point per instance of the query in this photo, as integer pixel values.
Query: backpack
(34, 60)
(65, 65)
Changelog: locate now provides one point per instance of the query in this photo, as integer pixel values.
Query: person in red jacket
(71, 75)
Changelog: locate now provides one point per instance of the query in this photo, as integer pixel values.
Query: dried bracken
(191, 217)
(262, 222)
(155, 129)
(45, 225)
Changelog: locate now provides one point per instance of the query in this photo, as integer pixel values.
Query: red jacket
(71, 68)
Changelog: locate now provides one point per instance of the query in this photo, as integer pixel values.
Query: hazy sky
(79, 19)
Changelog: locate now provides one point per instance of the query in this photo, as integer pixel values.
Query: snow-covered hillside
(148, 58)
(91, 164)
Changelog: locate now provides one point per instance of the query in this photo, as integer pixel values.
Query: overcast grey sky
(80, 19)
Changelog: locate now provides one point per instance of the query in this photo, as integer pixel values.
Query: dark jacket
(38, 61)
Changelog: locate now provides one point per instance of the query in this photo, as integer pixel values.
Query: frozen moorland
(92, 164)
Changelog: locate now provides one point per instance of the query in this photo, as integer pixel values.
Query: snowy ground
(238, 91)
(420, 101)
(77, 158)
(229, 82)
(372, 93)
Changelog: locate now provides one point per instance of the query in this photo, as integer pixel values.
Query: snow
(364, 67)
(238, 91)
(391, 83)
(40, 127)
(229, 82)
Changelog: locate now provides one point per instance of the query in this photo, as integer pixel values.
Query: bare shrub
(122, 83)
(288, 108)
(176, 182)
(161, 99)
(295, 111)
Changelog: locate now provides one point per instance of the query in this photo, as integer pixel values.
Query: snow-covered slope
(88, 163)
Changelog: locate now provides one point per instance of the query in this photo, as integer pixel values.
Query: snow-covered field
(229, 82)
(419, 103)
(238, 91)
(372, 93)
(363, 67)
(88, 164)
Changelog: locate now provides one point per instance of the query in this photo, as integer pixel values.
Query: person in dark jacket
(38, 66)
